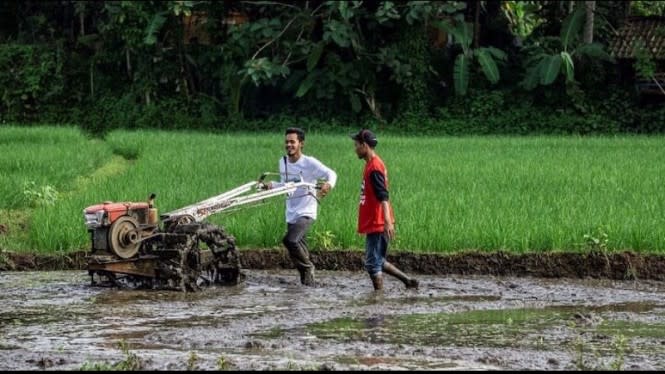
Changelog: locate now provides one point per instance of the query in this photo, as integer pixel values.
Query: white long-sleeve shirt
(302, 202)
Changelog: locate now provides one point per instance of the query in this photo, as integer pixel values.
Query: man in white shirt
(302, 204)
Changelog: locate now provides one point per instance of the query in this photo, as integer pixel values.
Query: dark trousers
(295, 242)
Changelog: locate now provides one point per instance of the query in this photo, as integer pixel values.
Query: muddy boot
(307, 276)
(300, 257)
(395, 272)
(377, 281)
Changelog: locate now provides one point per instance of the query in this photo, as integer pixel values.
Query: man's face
(292, 145)
(361, 149)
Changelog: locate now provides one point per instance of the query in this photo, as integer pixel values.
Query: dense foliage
(451, 67)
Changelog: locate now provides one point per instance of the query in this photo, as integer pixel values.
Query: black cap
(365, 136)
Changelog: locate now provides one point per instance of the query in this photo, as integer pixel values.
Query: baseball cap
(365, 136)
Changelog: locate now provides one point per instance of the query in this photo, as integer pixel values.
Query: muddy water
(55, 320)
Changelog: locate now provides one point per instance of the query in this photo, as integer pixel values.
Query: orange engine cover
(116, 210)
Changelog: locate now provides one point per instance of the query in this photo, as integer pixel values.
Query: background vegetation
(437, 67)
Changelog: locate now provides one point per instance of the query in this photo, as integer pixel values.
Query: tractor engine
(129, 249)
(118, 227)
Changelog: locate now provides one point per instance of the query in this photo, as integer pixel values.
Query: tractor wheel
(124, 237)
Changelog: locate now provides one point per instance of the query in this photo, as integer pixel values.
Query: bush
(31, 78)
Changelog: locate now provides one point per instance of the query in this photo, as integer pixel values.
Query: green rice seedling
(37, 161)
(449, 193)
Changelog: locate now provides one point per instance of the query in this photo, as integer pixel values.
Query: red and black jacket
(373, 191)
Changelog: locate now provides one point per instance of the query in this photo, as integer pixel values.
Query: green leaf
(153, 28)
(89, 40)
(314, 56)
(497, 53)
(293, 79)
(594, 50)
(255, 26)
(466, 30)
(339, 33)
(443, 25)
(550, 69)
(462, 32)
(307, 84)
(386, 12)
(571, 27)
(532, 77)
(568, 66)
(488, 65)
(461, 74)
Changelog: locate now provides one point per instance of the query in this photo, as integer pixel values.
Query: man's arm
(324, 172)
(378, 181)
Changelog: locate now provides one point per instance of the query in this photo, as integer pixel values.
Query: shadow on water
(57, 320)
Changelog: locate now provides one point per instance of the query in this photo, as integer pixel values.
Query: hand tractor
(131, 248)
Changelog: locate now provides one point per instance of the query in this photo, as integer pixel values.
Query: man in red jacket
(375, 214)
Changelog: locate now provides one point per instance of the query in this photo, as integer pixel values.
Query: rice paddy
(518, 194)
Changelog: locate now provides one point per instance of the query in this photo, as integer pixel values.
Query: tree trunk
(128, 64)
(590, 7)
(183, 73)
(476, 26)
(92, 78)
(626, 8)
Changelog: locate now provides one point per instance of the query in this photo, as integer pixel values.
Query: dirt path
(55, 320)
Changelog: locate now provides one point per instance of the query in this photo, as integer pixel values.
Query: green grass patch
(495, 328)
(489, 193)
(602, 345)
(39, 162)
(273, 333)
(634, 329)
(15, 233)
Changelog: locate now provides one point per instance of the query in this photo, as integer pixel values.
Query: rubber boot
(307, 276)
(395, 272)
(377, 281)
(304, 265)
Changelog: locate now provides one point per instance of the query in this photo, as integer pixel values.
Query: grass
(449, 193)
(495, 328)
(36, 157)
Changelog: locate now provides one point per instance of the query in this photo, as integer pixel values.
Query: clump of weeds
(131, 362)
(619, 345)
(224, 364)
(192, 360)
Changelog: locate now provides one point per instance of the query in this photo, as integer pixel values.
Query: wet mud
(55, 320)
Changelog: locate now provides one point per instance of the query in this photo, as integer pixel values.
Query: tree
(333, 49)
(543, 67)
(523, 17)
(589, 8)
(462, 33)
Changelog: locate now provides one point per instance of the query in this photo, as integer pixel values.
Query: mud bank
(594, 264)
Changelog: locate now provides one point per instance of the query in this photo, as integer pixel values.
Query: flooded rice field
(55, 320)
